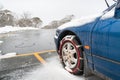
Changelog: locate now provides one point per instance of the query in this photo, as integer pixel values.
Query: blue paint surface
(103, 36)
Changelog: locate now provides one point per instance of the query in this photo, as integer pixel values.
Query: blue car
(91, 45)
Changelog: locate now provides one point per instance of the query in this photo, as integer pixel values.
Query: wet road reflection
(27, 41)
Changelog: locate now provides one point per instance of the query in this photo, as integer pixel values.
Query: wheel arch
(68, 32)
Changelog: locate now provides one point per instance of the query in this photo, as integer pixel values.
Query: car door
(106, 45)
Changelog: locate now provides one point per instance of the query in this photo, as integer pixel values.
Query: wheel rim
(69, 55)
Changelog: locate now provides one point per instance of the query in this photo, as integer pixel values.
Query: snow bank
(8, 55)
(7, 29)
(1, 42)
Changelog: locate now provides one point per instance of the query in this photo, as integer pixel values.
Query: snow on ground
(1, 42)
(7, 29)
(8, 55)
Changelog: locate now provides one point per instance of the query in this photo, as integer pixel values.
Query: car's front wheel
(71, 54)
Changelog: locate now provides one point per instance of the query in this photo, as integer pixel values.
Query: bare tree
(25, 21)
(6, 18)
(26, 15)
(36, 21)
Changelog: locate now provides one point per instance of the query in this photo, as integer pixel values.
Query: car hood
(79, 22)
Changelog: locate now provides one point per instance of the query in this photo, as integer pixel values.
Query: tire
(71, 54)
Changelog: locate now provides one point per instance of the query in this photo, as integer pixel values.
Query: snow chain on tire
(78, 55)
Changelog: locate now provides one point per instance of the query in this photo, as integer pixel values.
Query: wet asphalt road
(27, 41)
(29, 67)
(34, 70)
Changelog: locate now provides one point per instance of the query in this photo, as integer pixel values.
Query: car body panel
(105, 45)
(102, 35)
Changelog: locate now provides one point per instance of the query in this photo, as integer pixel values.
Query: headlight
(57, 32)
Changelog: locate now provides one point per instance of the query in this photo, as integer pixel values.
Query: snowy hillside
(49, 10)
(7, 29)
(57, 23)
(7, 17)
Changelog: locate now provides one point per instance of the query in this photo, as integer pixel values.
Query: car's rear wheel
(71, 54)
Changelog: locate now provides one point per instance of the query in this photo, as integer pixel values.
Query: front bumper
(56, 42)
